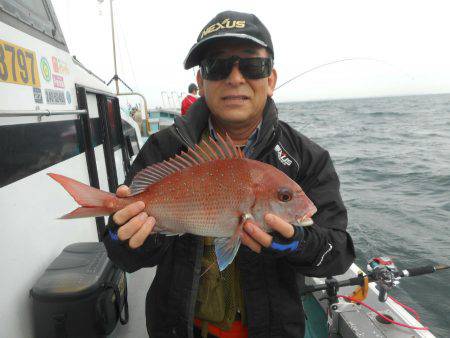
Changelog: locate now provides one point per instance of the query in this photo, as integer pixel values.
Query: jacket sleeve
(327, 248)
(155, 246)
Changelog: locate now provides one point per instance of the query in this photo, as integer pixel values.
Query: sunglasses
(250, 68)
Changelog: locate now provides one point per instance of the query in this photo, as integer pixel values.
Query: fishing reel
(385, 275)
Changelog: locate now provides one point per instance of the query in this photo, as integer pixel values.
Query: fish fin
(209, 150)
(157, 230)
(222, 148)
(87, 212)
(152, 174)
(228, 145)
(226, 249)
(156, 172)
(168, 233)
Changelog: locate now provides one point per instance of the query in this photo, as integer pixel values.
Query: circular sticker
(69, 99)
(45, 69)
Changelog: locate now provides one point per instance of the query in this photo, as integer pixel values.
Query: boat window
(36, 14)
(130, 137)
(112, 121)
(164, 114)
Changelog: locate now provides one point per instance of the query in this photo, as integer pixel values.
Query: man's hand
(256, 239)
(134, 223)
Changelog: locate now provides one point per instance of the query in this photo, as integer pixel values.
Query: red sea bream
(207, 191)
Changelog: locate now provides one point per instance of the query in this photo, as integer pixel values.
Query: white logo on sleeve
(282, 155)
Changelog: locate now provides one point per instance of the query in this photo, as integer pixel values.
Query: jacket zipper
(185, 141)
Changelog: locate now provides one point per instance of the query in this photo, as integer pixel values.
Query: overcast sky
(400, 47)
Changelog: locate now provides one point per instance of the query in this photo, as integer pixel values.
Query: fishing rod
(333, 62)
(384, 274)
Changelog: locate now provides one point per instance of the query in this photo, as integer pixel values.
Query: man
(258, 294)
(189, 99)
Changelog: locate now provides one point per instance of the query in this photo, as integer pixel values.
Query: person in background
(258, 294)
(189, 99)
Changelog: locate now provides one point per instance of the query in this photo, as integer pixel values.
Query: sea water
(392, 155)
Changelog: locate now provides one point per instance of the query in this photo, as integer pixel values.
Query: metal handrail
(20, 113)
(147, 122)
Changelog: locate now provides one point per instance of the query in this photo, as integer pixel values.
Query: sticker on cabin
(59, 66)
(18, 65)
(37, 92)
(54, 96)
(45, 69)
(58, 81)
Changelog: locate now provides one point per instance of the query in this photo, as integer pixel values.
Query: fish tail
(87, 212)
(93, 201)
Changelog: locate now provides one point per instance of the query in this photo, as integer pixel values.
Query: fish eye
(285, 194)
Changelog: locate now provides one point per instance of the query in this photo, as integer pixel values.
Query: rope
(411, 310)
(382, 316)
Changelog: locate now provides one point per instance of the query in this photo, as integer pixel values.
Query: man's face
(235, 99)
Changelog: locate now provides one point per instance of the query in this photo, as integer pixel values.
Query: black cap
(192, 87)
(228, 25)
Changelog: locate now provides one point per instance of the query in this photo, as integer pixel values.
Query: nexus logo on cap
(227, 23)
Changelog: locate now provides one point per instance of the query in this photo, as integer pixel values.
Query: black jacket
(270, 285)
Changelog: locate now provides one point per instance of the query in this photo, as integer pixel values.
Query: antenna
(116, 77)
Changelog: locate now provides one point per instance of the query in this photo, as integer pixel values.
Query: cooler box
(81, 294)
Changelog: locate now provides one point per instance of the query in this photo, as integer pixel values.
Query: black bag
(81, 294)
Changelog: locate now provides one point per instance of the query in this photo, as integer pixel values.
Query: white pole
(116, 79)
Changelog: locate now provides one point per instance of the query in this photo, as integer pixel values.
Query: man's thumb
(123, 191)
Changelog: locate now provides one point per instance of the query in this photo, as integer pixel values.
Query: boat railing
(171, 100)
(40, 113)
(147, 120)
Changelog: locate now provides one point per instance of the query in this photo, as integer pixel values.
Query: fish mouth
(305, 221)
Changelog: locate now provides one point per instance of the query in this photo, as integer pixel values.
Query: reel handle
(383, 294)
